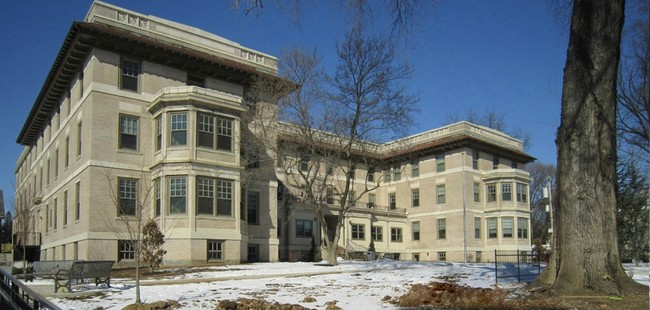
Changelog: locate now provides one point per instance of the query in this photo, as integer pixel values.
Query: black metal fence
(524, 266)
(16, 295)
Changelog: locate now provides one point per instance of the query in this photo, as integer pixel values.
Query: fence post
(518, 268)
(496, 267)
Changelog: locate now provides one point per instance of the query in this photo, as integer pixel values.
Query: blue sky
(503, 56)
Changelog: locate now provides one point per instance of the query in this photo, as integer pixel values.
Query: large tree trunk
(586, 258)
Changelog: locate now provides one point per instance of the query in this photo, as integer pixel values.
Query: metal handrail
(16, 295)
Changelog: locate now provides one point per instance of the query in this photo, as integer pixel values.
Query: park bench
(47, 269)
(100, 271)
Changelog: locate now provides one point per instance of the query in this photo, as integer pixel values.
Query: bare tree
(25, 206)
(331, 132)
(495, 120)
(404, 16)
(132, 198)
(586, 256)
(632, 211)
(540, 174)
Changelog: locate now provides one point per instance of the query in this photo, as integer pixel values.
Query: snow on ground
(353, 284)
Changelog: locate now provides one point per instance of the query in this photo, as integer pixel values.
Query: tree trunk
(586, 259)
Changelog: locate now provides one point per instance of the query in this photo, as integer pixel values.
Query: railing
(16, 295)
(376, 207)
(354, 247)
(525, 266)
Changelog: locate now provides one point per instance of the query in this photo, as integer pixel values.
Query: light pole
(464, 208)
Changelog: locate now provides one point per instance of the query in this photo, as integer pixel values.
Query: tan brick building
(139, 112)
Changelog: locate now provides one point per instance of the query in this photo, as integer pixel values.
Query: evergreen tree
(152, 242)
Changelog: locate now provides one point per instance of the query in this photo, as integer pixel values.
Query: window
(387, 175)
(352, 172)
(177, 195)
(415, 169)
(304, 163)
(304, 228)
(157, 196)
(358, 232)
(253, 252)
(224, 134)
(492, 228)
(55, 211)
(179, 129)
(215, 250)
(477, 227)
(491, 192)
(351, 198)
(56, 163)
(158, 133)
(522, 193)
(415, 198)
(522, 228)
(415, 228)
(440, 163)
(65, 208)
(125, 250)
(371, 174)
(506, 192)
(440, 194)
(442, 256)
(224, 197)
(77, 199)
(67, 152)
(397, 173)
(128, 196)
(391, 201)
(372, 200)
(495, 162)
(128, 132)
(330, 196)
(47, 181)
(475, 156)
(377, 233)
(395, 234)
(329, 169)
(477, 192)
(205, 130)
(253, 208)
(506, 227)
(130, 72)
(205, 194)
(79, 139)
(442, 228)
(48, 216)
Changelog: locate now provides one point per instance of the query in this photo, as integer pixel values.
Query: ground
(384, 284)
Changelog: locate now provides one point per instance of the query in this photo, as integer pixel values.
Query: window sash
(224, 198)
(128, 196)
(522, 228)
(177, 195)
(358, 232)
(506, 227)
(128, 133)
(477, 228)
(492, 228)
(440, 163)
(415, 198)
(522, 193)
(253, 208)
(179, 129)
(304, 228)
(158, 133)
(396, 234)
(130, 73)
(205, 130)
(477, 192)
(215, 250)
(442, 228)
(205, 194)
(506, 192)
(491, 192)
(392, 201)
(224, 134)
(377, 233)
(126, 250)
(415, 169)
(440, 194)
(415, 228)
